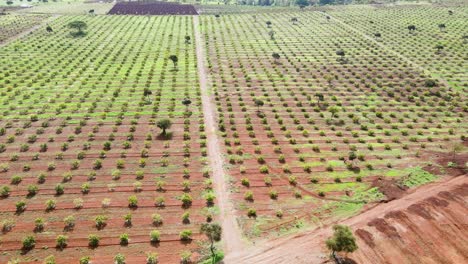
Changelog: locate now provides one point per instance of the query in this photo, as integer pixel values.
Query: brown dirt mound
(384, 227)
(389, 188)
(366, 237)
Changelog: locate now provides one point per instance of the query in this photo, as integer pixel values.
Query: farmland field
(283, 121)
(12, 24)
(292, 156)
(96, 136)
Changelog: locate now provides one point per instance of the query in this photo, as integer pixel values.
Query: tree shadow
(78, 34)
(166, 136)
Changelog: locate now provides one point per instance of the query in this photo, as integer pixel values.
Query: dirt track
(231, 233)
(428, 225)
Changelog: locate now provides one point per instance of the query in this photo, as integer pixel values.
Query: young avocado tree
(294, 20)
(174, 60)
(147, 92)
(341, 53)
(441, 27)
(164, 124)
(276, 56)
(342, 240)
(439, 47)
(272, 34)
(259, 103)
(213, 231)
(333, 110)
(187, 103)
(456, 148)
(320, 98)
(411, 28)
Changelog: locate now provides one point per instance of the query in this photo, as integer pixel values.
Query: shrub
(248, 196)
(186, 199)
(185, 257)
(78, 203)
(16, 179)
(69, 221)
(245, 182)
(59, 189)
(29, 242)
(93, 240)
(50, 260)
(273, 194)
(132, 201)
(38, 224)
(119, 259)
(251, 212)
(185, 235)
(128, 219)
(264, 169)
(7, 225)
(20, 206)
(124, 239)
(61, 241)
(279, 213)
(85, 260)
(155, 236)
(4, 191)
(157, 219)
(50, 204)
(32, 190)
(100, 221)
(151, 258)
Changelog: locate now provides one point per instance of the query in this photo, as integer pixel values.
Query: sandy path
(231, 233)
(26, 32)
(308, 247)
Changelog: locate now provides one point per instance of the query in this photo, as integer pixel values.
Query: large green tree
(164, 124)
(79, 26)
(213, 231)
(342, 240)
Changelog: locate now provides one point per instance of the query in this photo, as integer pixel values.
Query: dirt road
(309, 248)
(232, 239)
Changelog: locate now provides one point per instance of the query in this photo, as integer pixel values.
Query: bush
(69, 221)
(38, 224)
(16, 179)
(29, 242)
(151, 258)
(61, 241)
(155, 236)
(32, 190)
(7, 225)
(93, 240)
(185, 235)
(5, 191)
(50, 204)
(20, 206)
(251, 212)
(186, 199)
(85, 260)
(124, 239)
(119, 259)
(100, 221)
(157, 219)
(132, 201)
(59, 189)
